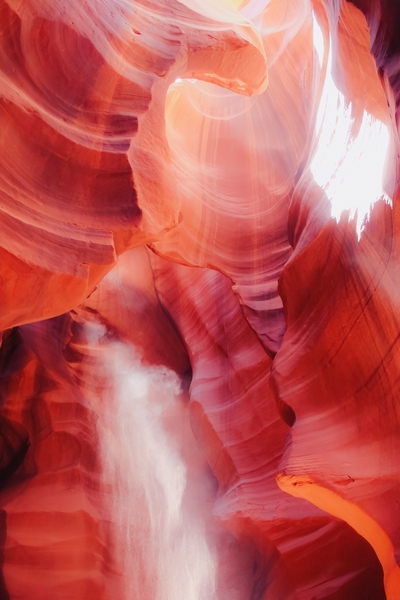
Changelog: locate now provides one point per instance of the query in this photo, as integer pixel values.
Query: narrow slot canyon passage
(199, 275)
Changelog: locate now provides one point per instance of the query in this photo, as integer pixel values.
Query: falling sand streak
(161, 550)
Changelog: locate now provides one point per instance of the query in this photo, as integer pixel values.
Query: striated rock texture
(200, 262)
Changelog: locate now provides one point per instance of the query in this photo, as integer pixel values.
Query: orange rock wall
(199, 239)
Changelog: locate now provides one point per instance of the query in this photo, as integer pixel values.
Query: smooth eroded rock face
(199, 243)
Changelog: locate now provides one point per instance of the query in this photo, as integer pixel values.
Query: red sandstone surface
(200, 265)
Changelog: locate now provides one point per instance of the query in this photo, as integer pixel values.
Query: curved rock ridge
(76, 81)
(199, 309)
(236, 422)
(109, 430)
(91, 511)
(235, 189)
(342, 283)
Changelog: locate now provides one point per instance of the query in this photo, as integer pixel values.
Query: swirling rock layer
(199, 270)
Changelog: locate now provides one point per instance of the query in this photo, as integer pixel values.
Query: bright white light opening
(179, 80)
(318, 39)
(348, 168)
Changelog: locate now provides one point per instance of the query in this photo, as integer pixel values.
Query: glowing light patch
(348, 168)
(179, 80)
(318, 39)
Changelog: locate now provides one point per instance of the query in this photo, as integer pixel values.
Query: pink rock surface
(199, 314)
